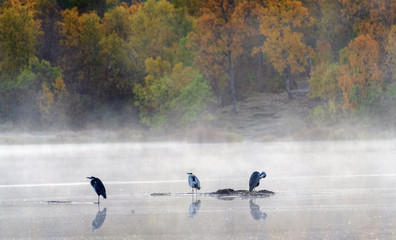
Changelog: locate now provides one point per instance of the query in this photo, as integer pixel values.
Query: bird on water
(255, 180)
(193, 181)
(98, 187)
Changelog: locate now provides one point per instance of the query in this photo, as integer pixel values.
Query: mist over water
(331, 190)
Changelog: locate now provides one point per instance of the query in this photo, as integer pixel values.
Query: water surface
(324, 190)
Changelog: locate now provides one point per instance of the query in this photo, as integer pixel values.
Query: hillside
(267, 116)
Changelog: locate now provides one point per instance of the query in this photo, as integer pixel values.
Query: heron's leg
(98, 199)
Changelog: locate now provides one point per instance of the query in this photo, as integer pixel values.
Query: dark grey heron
(255, 180)
(193, 181)
(98, 187)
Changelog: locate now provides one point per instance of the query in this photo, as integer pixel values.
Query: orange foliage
(390, 48)
(359, 68)
(221, 31)
(372, 17)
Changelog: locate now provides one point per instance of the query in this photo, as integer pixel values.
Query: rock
(229, 194)
(160, 194)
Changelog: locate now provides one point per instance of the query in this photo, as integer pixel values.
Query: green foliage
(371, 100)
(193, 98)
(170, 93)
(324, 82)
(119, 71)
(29, 98)
(318, 115)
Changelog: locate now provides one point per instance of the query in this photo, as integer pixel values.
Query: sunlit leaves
(19, 30)
(153, 29)
(284, 46)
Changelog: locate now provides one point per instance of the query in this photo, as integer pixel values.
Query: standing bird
(98, 187)
(255, 180)
(193, 182)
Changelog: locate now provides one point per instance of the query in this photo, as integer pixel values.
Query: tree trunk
(287, 81)
(229, 58)
(232, 84)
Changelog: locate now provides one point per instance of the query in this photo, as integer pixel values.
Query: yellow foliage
(59, 86)
(182, 75)
(284, 45)
(46, 102)
(19, 32)
(69, 28)
(156, 68)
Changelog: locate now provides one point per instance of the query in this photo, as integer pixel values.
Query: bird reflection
(256, 212)
(99, 219)
(194, 207)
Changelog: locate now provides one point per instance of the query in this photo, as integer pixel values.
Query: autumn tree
(48, 43)
(53, 103)
(332, 26)
(284, 44)
(193, 7)
(219, 34)
(119, 67)
(390, 62)
(19, 31)
(170, 94)
(81, 61)
(360, 78)
(373, 18)
(172, 89)
(156, 27)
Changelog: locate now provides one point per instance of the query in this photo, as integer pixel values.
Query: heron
(98, 187)
(193, 181)
(255, 180)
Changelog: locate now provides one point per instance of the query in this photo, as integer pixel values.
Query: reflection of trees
(256, 212)
(99, 219)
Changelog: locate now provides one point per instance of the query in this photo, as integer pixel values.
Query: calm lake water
(324, 190)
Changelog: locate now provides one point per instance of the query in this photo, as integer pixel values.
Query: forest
(65, 64)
